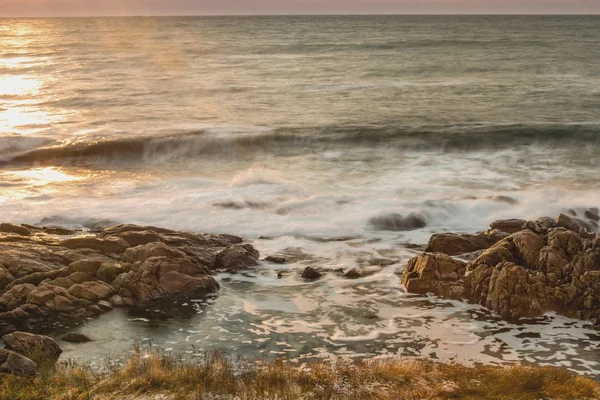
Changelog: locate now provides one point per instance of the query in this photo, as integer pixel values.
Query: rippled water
(294, 132)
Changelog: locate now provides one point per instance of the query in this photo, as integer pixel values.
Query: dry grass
(150, 374)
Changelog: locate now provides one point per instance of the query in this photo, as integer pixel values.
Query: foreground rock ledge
(546, 265)
(51, 276)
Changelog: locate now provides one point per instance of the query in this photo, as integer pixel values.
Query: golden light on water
(18, 85)
(44, 176)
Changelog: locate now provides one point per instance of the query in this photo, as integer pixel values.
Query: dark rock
(43, 350)
(11, 228)
(105, 305)
(397, 222)
(276, 259)
(237, 257)
(352, 273)
(75, 337)
(505, 199)
(310, 273)
(592, 214)
(16, 364)
(6, 328)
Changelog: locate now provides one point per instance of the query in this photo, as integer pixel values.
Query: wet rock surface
(49, 280)
(545, 266)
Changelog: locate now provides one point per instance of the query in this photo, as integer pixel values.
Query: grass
(152, 374)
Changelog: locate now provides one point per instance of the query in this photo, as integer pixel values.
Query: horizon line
(304, 15)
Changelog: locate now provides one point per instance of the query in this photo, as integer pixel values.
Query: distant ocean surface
(297, 132)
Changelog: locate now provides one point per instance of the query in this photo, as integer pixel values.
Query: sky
(31, 8)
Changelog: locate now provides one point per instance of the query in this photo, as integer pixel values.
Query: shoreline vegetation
(153, 374)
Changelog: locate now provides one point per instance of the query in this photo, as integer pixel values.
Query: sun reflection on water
(44, 176)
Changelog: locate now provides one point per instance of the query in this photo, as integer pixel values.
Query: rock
(144, 252)
(397, 222)
(74, 337)
(15, 296)
(437, 273)
(352, 273)
(460, 243)
(505, 199)
(592, 214)
(43, 350)
(46, 281)
(513, 293)
(105, 305)
(116, 301)
(92, 291)
(310, 273)
(89, 266)
(165, 279)
(107, 245)
(139, 238)
(237, 257)
(276, 259)
(109, 271)
(57, 230)
(6, 328)
(11, 228)
(508, 225)
(5, 278)
(573, 224)
(16, 364)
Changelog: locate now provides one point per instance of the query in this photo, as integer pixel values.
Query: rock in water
(437, 273)
(43, 350)
(164, 279)
(397, 222)
(352, 273)
(45, 281)
(238, 257)
(16, 364)
(310, 273)
(74, 337)
(523, 275)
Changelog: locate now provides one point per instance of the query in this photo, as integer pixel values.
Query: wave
(233, 144)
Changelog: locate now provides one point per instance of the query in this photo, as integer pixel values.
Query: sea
(299, 133)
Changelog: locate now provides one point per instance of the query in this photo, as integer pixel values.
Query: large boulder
(156, 249)
(165, 279)
(437, 273)
(43, 350)
(237, 257)
(93, 291)
(16, 364)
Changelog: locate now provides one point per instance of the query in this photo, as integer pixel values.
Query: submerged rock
(310, 273)
(276, 259)
(74, 337)
(397, 222)
(237, 257)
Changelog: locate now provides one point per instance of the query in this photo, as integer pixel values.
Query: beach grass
(152, 374)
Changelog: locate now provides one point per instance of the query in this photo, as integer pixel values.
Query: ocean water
(294, 132)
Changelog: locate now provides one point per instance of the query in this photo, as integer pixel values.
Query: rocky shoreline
(518, 269)
(52, 277)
